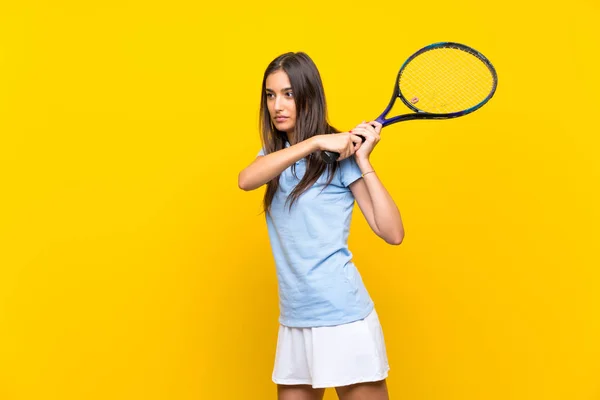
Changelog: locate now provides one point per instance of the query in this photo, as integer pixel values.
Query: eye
(289, 94)
(269, 95)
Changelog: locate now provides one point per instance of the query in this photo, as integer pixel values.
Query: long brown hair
(311, 120)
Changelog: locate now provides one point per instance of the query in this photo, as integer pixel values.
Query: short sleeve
(349, 170)
(261, 153)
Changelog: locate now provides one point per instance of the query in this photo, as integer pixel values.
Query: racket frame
(419, 114)
(330, 157)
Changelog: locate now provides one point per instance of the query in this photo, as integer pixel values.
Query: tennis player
(329, 334)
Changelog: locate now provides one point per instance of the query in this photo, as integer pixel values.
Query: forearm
(267, 167)
(385, 212)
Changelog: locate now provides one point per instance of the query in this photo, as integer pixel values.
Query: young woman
(329, 333)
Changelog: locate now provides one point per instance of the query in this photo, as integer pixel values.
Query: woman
(329, 333)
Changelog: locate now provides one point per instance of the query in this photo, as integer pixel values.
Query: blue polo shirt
(318, 283)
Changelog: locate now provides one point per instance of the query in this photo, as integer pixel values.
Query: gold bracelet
(363, 175)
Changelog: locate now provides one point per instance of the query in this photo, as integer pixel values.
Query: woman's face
(280, 101)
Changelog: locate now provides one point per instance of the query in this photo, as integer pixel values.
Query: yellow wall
(132, 267)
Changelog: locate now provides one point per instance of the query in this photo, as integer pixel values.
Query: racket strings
(445, 80)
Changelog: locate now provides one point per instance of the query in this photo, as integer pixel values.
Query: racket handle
(331, 156)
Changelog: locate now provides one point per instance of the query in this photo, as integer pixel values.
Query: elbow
(245, 183)
(396, 239)
(242, 183)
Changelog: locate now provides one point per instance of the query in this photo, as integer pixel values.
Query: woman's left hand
(371, 135)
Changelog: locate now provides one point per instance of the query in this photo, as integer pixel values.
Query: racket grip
(330, 156)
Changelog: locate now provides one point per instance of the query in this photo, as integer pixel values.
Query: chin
(286, 127)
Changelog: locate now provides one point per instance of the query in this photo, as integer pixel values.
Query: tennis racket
(440, 81)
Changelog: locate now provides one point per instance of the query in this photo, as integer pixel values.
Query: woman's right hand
(344, 143)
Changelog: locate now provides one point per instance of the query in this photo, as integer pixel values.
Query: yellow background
(132, 266)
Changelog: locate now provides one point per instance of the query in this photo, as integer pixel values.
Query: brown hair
(311, 120)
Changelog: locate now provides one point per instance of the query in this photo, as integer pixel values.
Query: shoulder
(349, 170)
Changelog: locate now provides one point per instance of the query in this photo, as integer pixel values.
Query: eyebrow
(283, 90)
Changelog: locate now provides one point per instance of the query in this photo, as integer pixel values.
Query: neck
(290, 137)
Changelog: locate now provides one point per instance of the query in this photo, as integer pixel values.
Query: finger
(350, 149)
(368, 127)
(371, 128)
(376, 131)
(355, 138)
(376, 125)
(374, 135)
(364, 133)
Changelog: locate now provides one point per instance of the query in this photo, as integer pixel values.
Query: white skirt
(331, 356)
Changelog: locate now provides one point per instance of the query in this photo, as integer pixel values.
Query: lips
(281, 119)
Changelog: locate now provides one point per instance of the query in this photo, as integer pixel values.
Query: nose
(278, 103)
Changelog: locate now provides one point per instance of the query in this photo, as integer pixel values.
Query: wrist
(364, 164)
(315, 143)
